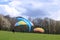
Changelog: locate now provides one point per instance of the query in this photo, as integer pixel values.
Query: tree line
(50, 26)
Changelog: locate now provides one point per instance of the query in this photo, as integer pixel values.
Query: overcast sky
(31, 8)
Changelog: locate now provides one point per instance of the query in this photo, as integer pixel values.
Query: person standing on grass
(13, 30)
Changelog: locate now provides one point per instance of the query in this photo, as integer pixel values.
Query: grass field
(4, 35)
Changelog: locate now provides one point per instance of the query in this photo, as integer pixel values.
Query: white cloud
(11, 11)
(37, 4)
(15, 3)
(55, 15)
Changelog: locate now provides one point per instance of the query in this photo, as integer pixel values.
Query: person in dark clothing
(13, 30)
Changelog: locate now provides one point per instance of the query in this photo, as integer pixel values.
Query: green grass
(5, 35)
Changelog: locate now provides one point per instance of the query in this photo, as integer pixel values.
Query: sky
(31, 8)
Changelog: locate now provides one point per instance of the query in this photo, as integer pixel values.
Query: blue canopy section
(26, 21)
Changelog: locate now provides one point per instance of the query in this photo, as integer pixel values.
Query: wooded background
(50, 26)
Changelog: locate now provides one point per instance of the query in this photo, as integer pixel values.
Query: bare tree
(4, 23)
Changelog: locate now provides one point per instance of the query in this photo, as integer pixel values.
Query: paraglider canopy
(23, 21)
(41, 30)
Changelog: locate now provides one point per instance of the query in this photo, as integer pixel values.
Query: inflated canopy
(41, 30)
(23, 21)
